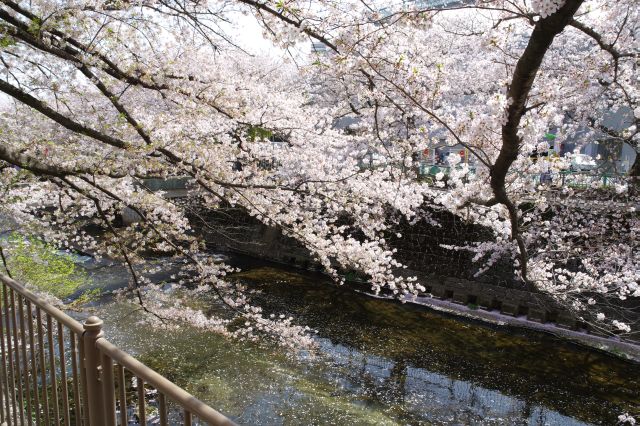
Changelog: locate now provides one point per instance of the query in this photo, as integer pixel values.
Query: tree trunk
(524, 75)
(634, 174)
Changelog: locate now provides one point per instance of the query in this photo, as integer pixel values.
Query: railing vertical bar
(63, 375)
(16, 349)
(162, 409)
(2, 398)
(122, 396)
(25, 361)
(43, 366)
(2, 373)
(34, 364)
(52, 372)
(74, 375)
(12, 377)
(83, 382)
(187, 417)
(108, 390)
(142, 411)
(2, 387)
(6, 412)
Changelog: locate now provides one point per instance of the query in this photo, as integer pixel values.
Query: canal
(377, 363)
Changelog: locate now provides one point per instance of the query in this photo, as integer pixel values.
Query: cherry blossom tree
(494, 77)
(103, 94)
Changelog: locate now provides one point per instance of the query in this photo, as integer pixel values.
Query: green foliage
(86, 297)
(6, 41)
(41, 265)
(34, 26)
(355, 276)
(258, 133)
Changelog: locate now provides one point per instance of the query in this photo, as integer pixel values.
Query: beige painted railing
(56, 371)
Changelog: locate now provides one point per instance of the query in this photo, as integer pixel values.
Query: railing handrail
(56, 313)
(162, 384)
(91, 334)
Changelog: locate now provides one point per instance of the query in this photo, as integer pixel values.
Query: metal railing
(56, 371)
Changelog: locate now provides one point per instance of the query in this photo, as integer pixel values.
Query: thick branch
(523, 77)
(64, 121)
(114, 101)
(42, 168)
(290, 21)
(615, 53)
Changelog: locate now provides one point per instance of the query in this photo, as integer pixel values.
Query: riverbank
(612, 345)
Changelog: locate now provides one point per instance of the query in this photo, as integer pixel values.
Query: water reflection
(429, 397)
(385, 363)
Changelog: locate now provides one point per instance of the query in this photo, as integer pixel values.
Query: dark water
(383, 363)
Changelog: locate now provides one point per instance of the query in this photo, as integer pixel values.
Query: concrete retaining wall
(497, 291)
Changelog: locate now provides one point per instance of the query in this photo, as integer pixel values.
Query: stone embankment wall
(421, 246)
(535, 307)
(446, 274)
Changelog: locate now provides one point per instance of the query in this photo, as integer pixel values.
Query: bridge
(57, 371)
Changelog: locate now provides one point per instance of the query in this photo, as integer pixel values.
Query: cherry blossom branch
(610, 48)
(4, 262)
(297, 24)
(123, 252)
(63, 120)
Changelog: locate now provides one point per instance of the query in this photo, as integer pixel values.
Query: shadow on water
(384, 363)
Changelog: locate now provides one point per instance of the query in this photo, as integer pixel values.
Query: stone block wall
(446, 274)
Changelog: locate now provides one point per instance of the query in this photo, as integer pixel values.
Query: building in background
(613, 154)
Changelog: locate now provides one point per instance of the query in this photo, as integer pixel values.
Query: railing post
(108, 391)
(92, 332)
